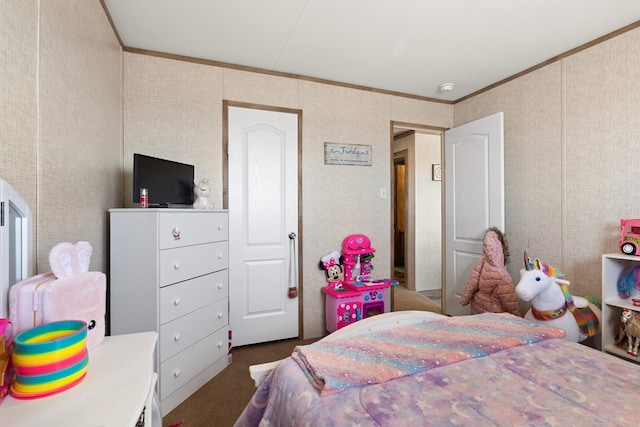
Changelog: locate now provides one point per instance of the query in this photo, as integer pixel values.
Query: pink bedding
(333, 366)
(549, 382)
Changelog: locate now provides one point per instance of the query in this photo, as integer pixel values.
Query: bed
(421, 368)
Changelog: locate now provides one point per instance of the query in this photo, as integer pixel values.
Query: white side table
(120, 383)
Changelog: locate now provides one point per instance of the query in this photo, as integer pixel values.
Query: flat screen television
(169, 183)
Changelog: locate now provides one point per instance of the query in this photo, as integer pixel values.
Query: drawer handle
(175, 233)
(177, 337)
(220, 315)
(176, 301)
(176, 265)
(219, 344)
(219, 226)
(176, 373)
(220, 285)
(220, 255)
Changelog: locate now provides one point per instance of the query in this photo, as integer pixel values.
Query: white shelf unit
(169, 274)
(613, 266)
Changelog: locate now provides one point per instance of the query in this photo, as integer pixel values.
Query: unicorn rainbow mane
(536, 264)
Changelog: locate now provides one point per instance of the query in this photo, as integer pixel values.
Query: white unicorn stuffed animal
(551, 302)
(202, 191)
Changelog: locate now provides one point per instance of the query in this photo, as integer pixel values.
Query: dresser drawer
(179, 334)
(179, 264)
(178, 229)
(181, 368)
(184, 297)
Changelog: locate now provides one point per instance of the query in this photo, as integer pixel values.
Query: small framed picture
(436, 172)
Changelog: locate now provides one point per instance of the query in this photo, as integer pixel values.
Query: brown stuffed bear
(490, 287)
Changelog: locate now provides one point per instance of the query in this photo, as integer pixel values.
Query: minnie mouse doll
(331, 264)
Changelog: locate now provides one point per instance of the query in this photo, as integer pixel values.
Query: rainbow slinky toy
(49, 359)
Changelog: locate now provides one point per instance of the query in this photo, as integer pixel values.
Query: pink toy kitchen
(351, 293)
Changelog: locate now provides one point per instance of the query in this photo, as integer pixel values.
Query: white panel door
(474, 199)
(263, 212)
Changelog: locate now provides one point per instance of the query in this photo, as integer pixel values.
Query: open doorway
(417, 208)
(400, 215)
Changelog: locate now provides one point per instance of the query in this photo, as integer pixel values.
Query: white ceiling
(404, 46)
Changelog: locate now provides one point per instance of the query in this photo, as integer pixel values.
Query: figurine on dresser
(202, 191)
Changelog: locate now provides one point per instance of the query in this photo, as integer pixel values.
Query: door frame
(225, 183)
(413, 127)
(403, 157)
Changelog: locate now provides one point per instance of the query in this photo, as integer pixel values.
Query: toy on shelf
(357, 254)
(629, 236)
(629, 285)
(543, 286)
(631, 323)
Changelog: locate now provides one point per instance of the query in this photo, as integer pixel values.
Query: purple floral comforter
(539, 382)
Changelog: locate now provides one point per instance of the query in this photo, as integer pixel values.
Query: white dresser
(169, 274)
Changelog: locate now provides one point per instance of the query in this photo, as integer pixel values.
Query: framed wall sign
(347, 154)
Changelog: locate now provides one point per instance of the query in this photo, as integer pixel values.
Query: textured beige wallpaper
(263, 89)
(173, 109)
(601, 158)
(60, 115)
(79, 127)
(342, 200)
(572, 138)
(18, 98)
(409, 110)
